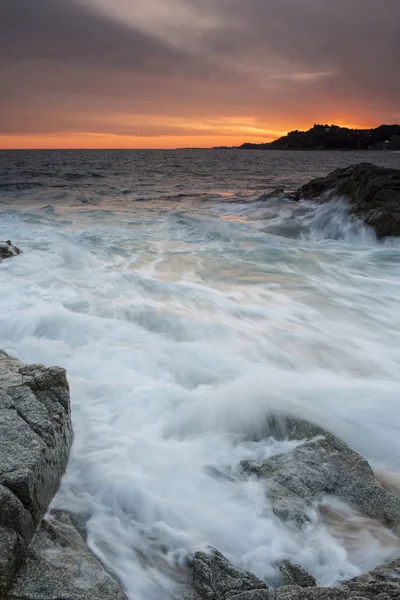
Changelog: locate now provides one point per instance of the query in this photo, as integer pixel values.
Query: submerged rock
(322, 466)
(373, 192)
(7, 249)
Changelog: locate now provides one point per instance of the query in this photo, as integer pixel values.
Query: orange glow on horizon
(229, 136)
(110, 141)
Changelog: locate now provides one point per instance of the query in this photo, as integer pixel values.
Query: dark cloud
(66, 66)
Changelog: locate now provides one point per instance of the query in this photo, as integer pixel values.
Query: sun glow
(158, 131)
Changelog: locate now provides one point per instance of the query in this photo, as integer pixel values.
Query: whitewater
(186, 308)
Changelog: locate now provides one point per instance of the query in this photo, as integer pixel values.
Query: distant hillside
(333, 137)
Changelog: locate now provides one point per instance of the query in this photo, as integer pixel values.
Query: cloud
(115, 66)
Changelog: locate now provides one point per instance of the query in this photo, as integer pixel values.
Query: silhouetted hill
(333, 137)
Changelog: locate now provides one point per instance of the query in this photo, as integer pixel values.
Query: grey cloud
(62, 31)
(267, 58)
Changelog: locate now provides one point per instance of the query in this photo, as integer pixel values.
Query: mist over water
(186, 309)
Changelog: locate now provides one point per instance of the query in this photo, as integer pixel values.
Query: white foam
(177, 350)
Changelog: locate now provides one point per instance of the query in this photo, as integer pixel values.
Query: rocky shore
(45, 556)
(322, 466)
(40, 558)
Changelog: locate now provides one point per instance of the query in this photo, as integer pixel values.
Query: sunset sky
(171, 73)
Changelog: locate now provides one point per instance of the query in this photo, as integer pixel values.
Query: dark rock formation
(323, 465)
(7, 250)
(40, 560)
(333, 137)
(373, 192)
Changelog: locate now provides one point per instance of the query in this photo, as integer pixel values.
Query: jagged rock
(374, 194)
(7, 249)
(35, 438)
(40, 559)
(60, 565)
(291, 574)
(323, 465)
(213, 577)
(382, 583)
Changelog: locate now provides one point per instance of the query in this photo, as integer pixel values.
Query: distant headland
(333, 137)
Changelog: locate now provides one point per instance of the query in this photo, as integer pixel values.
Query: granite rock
(35, 438)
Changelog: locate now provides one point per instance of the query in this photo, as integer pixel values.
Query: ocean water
(186, 309)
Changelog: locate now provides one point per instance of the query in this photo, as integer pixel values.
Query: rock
(35, 438)
(40, 559)
(213, 577)
(373, 192)
(323, 465)
(7, 249)
(60, 565)
(382, 583)
(291, 574)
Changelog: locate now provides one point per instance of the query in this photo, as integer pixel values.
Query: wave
(306, 220)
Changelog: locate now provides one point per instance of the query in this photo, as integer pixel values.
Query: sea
(186, 307)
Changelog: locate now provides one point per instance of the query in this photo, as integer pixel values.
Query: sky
(178, 73)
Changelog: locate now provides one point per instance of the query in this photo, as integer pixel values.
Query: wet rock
(373, 192)
(213, 577)
(35, 438)
(291, 574)
(60, 565)
(40, 559)
(382, 583)
(7, 249)
(323, 465)
(292, 592)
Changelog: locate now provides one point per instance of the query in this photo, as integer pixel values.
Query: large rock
(7, 249)
(35, 438)
(213, 577)
(374, 194)
(40, 559)
(323, 465)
